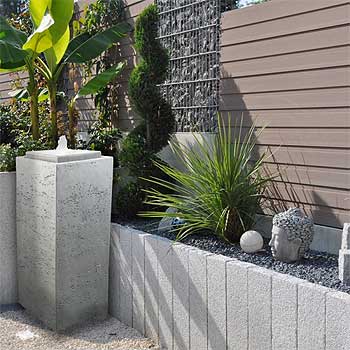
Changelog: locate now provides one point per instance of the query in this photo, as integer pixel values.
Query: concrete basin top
(69, 155)
(62, 154)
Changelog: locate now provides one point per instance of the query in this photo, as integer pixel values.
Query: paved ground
(18, 331)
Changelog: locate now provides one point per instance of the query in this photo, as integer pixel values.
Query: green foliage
(144, 92)
(105, 139)
(51, 36)
(221, 189)
(7, 158)
(134, 154)
(128, 201)
(140, 147)
(6, 125)
(100, 81)
(15, 121)
(227, 5)
(102, 14)
(15, 132)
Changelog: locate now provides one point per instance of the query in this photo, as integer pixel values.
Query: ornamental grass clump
(221, 188)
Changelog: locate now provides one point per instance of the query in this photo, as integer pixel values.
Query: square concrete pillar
(63, 235)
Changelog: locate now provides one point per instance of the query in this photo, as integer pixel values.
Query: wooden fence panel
(285, 65)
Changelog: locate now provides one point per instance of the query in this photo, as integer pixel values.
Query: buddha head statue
(292, 234)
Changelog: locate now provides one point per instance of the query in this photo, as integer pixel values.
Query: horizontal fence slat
(316, 79)
(323, 98)
(338, 36)
(317, 177)
(307, 156)
(299, 118)
(275, 9)
(323, 58)
(310, 21)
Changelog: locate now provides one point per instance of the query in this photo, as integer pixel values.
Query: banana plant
(49, 48)
(18, 52)
(96, 84)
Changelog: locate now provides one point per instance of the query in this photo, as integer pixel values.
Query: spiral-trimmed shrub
(144, 92)
(140, 147)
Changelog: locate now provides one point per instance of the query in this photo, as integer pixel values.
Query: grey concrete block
(138, 280)
(165, 299)
(237, 305)
(114, 273)
(337, 321)
(259, 308)
(125, 254)
(63, 233)
(151, 287)
(198, 298)
(216, 274)
(8, 245)
(344, 266)
(284, 312)
(181, 307)
(311, 316)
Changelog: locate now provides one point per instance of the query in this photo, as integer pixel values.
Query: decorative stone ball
(251, 241)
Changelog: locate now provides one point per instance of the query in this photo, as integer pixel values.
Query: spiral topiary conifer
(144, 92)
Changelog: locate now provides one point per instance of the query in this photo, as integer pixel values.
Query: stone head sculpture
(292, 234)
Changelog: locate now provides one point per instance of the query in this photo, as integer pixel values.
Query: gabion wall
(190, 29)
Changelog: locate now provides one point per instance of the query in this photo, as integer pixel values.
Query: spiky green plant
(220, 189)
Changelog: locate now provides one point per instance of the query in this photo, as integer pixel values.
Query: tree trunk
(33, 92)
(53, 114)
(233, 230)
(71, 127)
(34, 114)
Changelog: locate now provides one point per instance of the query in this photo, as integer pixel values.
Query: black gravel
(317, 267)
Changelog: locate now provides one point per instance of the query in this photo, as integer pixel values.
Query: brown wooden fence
(285, 65)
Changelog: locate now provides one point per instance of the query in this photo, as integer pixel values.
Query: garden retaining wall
(186, 298)
(8, 256)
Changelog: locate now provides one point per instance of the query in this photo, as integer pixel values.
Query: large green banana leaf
(84, 48)
(11, 40)
(100, 81)
(51, 19)
(23, 95)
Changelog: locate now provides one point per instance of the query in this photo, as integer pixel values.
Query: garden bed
(184, 297)
(317, 267)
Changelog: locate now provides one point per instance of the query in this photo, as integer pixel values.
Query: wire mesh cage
(190, 30)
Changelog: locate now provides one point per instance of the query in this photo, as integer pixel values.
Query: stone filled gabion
(296, 225)
(190, 31)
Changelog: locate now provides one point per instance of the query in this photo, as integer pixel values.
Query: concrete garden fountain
(63, 234)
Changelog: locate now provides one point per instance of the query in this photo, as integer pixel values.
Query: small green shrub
(128, 201)
(105, 139)
(220, 190)
(7, 158)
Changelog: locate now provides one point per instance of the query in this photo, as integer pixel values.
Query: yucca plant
(221, 188)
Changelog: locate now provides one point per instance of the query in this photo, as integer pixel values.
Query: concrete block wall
(185, 298)
(8, 246)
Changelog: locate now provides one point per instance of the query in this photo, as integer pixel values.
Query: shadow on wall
(173, 319)
(283, 192)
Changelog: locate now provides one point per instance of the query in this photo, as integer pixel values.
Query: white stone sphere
(251, 241)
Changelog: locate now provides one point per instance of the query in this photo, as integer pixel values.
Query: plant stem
(71, 120)
(53, 112)
(34, 104)
(34, 113)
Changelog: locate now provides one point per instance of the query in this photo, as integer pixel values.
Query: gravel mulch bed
(18, 331)
(316, 267)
